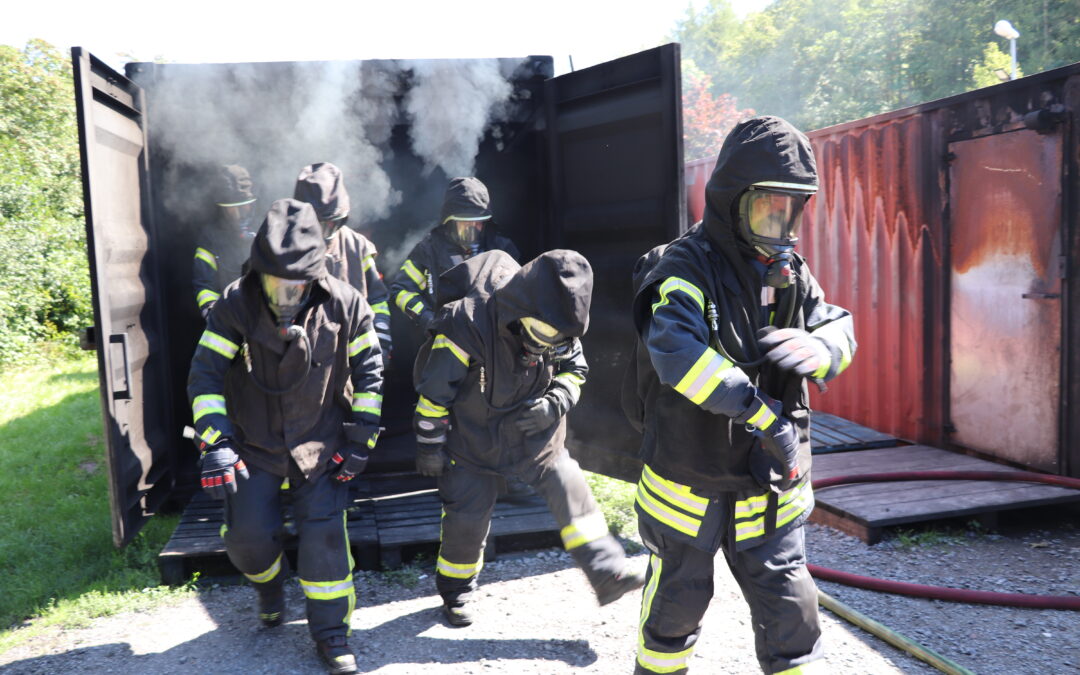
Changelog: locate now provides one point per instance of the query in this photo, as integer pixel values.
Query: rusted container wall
(696, 174)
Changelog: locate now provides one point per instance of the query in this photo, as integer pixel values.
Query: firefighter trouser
(253, 530)
(469, 498)
(774, 581)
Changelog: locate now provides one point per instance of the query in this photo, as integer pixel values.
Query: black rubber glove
(538, 416)
(778, 437)
(220, 465)
(347, 464)
(795, 350)
(430, 460)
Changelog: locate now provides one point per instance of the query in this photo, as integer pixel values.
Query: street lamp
(1006, 30)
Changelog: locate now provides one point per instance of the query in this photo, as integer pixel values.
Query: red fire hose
(940, 592)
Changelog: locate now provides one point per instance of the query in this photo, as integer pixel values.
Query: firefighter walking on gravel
(495, 381)
(268, 389)
(731, 326)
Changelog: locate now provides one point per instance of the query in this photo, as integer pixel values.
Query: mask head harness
(769, 216)
(285, 297)
(539, 339)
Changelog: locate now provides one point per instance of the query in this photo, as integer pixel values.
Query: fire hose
(934, 592)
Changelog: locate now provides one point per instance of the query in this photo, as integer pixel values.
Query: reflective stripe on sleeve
(583, 530)
(210, 435)
(362, 342)
(415, 274)
(206, 296)
(417, 307)
(443, 342)
(763, 418)
(459, 570)
(672, 284)
(573, 381)
(219, 344)
(207, 404)
(793, 503)
(368, 262)
(367, 403)
(833, 334)
(267, 575)
(328, 590)
(403, 299)
(381, 308)
(429, 408)
(704, 377)
(207, 257)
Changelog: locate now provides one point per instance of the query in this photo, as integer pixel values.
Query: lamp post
(1006, 30)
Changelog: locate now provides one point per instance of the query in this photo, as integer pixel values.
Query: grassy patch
(56, 540)
(936, 535)
(616, 499)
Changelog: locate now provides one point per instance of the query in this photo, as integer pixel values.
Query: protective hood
(290, 243)
(322, 186)
(465, 199)
(233, 186)
(555, 287)
(758, 149)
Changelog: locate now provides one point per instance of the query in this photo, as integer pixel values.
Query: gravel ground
(536, 615)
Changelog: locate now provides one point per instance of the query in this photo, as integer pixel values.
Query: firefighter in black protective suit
(222, 247)
(350, 256)
(268, 389)
(502, 368)
(464, 230)
(731, 326)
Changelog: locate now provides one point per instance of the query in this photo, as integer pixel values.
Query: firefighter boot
(335, 653)
(271, 604)
(457, 616)
(617, 585)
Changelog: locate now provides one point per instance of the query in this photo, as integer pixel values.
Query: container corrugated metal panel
(697, 174)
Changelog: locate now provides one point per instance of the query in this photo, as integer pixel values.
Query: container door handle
(1038, 295)
(121, 339)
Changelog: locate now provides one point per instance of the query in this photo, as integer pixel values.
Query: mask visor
(285, 296)
(773, 216)
(331, 227)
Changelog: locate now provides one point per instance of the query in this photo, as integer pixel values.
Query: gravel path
(536, 615)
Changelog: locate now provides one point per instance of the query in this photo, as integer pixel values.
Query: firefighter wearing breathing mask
(350, 256)
(465, 230)
(268, 387)
(732, 326)
(503, 366)
(223, 247)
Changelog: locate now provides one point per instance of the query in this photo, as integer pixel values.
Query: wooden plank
(904, 458)
(856, 431)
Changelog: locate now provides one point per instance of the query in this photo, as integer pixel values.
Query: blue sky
(198, 31)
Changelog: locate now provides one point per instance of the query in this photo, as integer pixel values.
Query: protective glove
(430, 460)
(347, 464)
(795, 350)
(777, 436)
(426, 319)
(220, 466)
(537, 416)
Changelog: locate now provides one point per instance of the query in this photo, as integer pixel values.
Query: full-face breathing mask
(770, 214)
(286, 297)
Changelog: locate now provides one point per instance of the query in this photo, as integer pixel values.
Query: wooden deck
(829, 433)
(864, 509)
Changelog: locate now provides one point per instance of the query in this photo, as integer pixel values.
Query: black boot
(617, 585)
(458, 616)
(335, 653)
(271, 604)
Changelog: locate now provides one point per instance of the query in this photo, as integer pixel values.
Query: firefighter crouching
(731, 326)
(464, 231)
(223, 246)
(350, 256)
(502, 368)
(267, 388)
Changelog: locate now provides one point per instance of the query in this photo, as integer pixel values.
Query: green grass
(56, 538)
(616, 499)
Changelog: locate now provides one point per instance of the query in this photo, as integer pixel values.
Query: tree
(707, 119)
(994, 61)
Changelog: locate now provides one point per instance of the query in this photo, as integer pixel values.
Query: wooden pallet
(864, 509)
(829, 433)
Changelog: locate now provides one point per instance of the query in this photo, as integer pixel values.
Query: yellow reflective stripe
(417, 307)
(583, 530)
(381, 308)
(403, 298)
(763, 418)
(429, 408)
(207, 404)
(458, 571)
(665, 514)
(651, 660)
(371, 446)
(207, 257)
(223, 346)
(210, 435)
(753, 528)
(835, 335)
(703, 378)
(362, 342)
(206, 296)
(750, 506)
(572, 381)
(368, 262)
(676, 493)
(823, 369)
(800, 500)
(676, 284)
(328, 590)
(443, 342)
(415, 274)
(367, 402)
(222, 530)
(269, 574)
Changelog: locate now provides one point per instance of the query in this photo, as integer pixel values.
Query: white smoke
(450, 105)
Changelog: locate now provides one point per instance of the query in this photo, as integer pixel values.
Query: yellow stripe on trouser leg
(651, 660)
(459, 570)
(352, 564)
(582, 530)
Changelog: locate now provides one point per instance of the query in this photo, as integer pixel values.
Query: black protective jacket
(474, 372)
(220, 254)
(248, 384)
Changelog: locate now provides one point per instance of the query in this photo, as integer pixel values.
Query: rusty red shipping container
(949, 230)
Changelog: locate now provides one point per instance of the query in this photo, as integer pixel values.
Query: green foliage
(823, 62)
(707, 119)
(994, 61)
(616, 499)
(60, 563)
(44, 279)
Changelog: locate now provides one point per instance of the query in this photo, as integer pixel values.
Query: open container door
(616, 191)
(130, 349)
